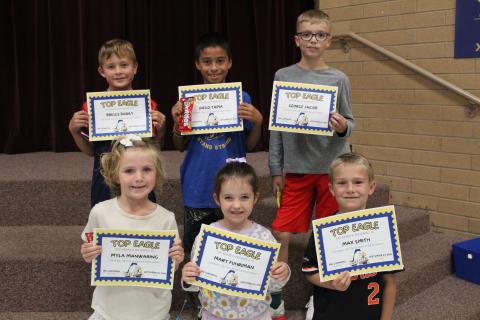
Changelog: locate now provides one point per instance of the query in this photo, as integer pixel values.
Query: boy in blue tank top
(207, 153)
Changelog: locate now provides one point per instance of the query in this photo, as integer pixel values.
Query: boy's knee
(281, 236)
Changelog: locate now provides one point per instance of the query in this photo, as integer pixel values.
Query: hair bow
(127, 141)
(242, 159)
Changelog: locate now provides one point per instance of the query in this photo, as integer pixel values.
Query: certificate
(215, 108)
(133, 258)
(302, 108)
(234, 264)
(114, 114)
(359, 242)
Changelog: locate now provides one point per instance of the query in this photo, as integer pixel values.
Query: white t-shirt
(117, 302)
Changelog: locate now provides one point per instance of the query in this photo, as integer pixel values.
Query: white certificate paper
(114, 114)
(133, 258)
(215, 108)
(359, 242)
(234, 264)
(302, 108)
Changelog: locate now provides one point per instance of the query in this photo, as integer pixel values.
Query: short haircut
(351, 158)
(212, 39)
(313, 15)
(118, 47)
(236, 170)
(110, 162)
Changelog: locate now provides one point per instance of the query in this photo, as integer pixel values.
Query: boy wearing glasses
(304, 159)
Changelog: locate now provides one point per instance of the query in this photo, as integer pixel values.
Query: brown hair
(110, 162)
(351, 158)
(118, 47)
(239, 170)
(313, 15)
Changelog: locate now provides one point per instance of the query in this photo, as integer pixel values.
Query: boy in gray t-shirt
(304, 159)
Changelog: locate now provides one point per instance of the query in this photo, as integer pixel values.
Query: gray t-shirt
(308, 153)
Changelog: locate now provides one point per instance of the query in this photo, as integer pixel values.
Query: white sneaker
(309, 307)
(279, 313)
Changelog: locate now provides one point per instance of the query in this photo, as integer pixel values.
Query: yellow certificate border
(243, 240)
(319, 223)
(214, 87)
(132, 282)
(299, 86)
(118, 95)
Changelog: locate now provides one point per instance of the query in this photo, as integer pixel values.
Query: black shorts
(193, 219)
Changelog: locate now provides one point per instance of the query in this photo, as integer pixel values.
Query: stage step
(44, 315)
(427, 260)
(45, 205)
(45, 262)
(450, 298)
(55, 188)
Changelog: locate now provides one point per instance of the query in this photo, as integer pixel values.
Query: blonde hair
(110, 162)
(312, 16)
(118, 47)
(351, 158)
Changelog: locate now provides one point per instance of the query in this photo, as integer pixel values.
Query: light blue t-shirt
(206, 154)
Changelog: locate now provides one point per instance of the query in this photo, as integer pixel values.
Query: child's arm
(190, 272)
(158, 121)
(179, 141)
(275, 161)
(248, 112)
(342, 121)
(177, 253)
(340, 283)
(280, 274)
(78, 122)
(389, 296)
(89, 251)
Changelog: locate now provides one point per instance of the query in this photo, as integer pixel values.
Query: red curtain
(50, 47)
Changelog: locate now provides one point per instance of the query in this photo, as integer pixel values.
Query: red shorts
(301, 193)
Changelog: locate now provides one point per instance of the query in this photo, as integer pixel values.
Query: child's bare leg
(284, 239)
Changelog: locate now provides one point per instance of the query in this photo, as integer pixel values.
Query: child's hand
(176, 252)
(176, 111)
(79, 121)
(249, 112)
(190, 272)
(158, 119)
(342, 282)
(338, 122)
(89, 251)
(277, 185)
(280, 271)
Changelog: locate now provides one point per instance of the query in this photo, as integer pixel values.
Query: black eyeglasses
(307, 36)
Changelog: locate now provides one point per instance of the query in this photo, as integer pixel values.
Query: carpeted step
(411, 222)
(54, 188)
(44, 315)
(43, 266)
(41, 270)
(449, 298)
(186, 315)
(427, 260)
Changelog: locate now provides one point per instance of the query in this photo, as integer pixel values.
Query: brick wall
(416, 133)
